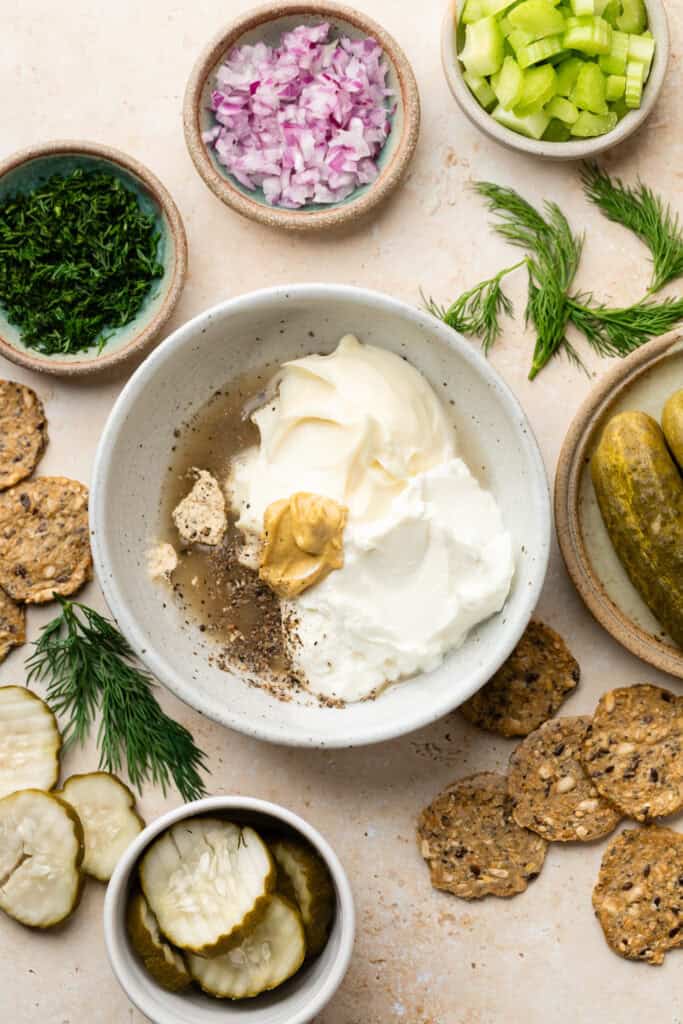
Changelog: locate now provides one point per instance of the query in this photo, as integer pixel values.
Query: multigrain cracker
(633, 752)
(529, 688)
(12, 625)
(551, 792)
(44, 543)
(639, 893)
(473, 846)
(23, 432)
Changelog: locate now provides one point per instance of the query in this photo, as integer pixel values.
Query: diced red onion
(304, 121)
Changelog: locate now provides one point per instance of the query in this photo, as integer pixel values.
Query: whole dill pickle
(672, 425)
(640, 494)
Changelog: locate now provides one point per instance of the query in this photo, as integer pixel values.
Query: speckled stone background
(115, 73)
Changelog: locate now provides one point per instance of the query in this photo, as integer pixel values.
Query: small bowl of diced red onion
(562, 79)
(302, 115)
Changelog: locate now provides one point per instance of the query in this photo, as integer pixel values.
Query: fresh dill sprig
(616, 332)
(477, 312)
(645, 214)
(89, 665)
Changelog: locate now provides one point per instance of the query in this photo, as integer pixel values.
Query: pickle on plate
(303, 876)
(207, 882)
(165, 964)
(270, 953)
(29, 742)
(110, 822)
(672, 425)
(41, 850)
(640, 493)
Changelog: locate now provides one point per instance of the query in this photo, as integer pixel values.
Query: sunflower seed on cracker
(44, 542)
(633, 751)
(551, 792)
(471, 843)
(638, 897)
(12, 625)
(529, 688)
(23, 432)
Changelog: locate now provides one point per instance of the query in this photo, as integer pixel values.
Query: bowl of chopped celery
(563, 79)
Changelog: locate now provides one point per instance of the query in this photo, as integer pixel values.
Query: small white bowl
(267, 328)
(300, 999)
(579, 149)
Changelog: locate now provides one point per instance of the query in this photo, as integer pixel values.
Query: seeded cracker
(12, 625)
(551, 792)
(23, 432)
(633, 752)
(529, 688)
(44, 544)
(639, 893)
(471, 843)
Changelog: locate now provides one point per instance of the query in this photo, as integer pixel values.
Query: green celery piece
(537, 17)
(557, 131)
(518, 39)
(589, 126)
(600, 6)
(541, 49)
(612, 12)
(562, 110)
(633, 17)
(539, 87)
(589, 91)
(567, 73)
(474, 10)
(591, 35)
(481, 90)
(580, 7)
(635, 80)
(508, 83)
(533, 126)
(619, 108)
(642, 48)
(615, 87)
(614, 62)
(497, 7)
(483, 51)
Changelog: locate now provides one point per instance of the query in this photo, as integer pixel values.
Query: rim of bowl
(273, 216)
(140, 341)
(425, 712)
(114, 903)
(580, 148)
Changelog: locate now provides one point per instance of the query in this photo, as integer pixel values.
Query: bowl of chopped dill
(93, 257)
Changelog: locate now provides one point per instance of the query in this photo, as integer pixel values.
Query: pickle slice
(41, 850)
(272, 951)
(110, 822)
(304, 874)
(165, 964)
(207, 881)
(29, 742)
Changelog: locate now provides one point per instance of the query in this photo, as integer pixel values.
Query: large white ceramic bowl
(269, 327)
(300, 999)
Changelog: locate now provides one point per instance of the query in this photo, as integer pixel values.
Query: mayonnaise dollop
(426, 553)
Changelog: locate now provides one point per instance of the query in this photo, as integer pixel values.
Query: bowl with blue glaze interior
(29, 169)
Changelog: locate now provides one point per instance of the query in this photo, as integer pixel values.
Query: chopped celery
(474, 10)
(533, 126)
(480, 89)
(483, 52)
(498, 6)
(620, 109)
(612, 12)
(580, 7)
(615, 87)
(541, 49)
(642, 48)
(518, 39)
(614, 62)
(508, 83)
(591, 35)
(589, 91)
(567, 73)
(635, 80)
(633, 17)
(557, 131)
(537, 89)
(600, 6)
(589, 126)
(562, 110)
(537, 17)
(505, 26)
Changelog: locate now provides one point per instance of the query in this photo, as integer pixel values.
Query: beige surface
(116, 73)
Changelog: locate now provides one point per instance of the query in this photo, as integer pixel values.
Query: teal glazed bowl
(28, 169)
(267, 24)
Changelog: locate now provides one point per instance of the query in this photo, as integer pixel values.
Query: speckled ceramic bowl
(577, 149)
(265, 329)
(267, 24)
(30, 168)
(299, 1000)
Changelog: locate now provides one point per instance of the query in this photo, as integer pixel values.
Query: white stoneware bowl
(269, 327)
(297, 1001)
(576, 149)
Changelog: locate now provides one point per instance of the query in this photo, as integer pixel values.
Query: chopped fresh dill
(478, 311)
